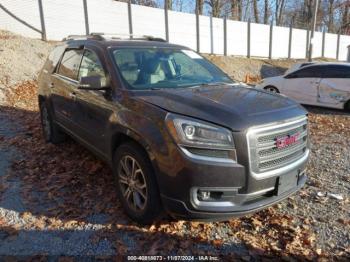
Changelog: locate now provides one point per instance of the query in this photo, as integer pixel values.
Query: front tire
(271, 89)
(136, 184)
(51, 131)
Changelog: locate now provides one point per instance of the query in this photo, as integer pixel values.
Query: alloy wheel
(132, 183)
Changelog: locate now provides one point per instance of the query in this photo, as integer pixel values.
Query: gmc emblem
(286, 141)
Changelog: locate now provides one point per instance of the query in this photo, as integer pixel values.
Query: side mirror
(92, 83)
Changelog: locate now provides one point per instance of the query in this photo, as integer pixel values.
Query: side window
(313, 71)
(70, 63)
(336, 71)
(56, 54)
(91, 66)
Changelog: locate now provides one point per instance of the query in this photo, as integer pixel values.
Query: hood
(232, 106)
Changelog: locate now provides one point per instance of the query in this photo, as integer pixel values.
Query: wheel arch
(124, 135)
(271, 86)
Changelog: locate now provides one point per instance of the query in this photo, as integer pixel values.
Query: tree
(169, 4)
(236, 9)
(266, 12)
(151, 3)
(279, 10)
(199, 6)
(256, 11)
(345, 18)
(216, 7)
(330, 23)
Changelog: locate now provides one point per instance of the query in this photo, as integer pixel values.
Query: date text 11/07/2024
(172, 258)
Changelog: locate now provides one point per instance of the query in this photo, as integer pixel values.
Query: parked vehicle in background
(319, 84)
(298, 66)
(179, 134)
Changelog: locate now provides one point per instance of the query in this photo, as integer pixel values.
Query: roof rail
(103, 36)
(81, 37)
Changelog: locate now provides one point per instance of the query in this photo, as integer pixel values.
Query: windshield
(150, 68)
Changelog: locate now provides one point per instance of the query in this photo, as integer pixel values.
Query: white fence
(66, 17)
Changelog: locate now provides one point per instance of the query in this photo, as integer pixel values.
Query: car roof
(107, 41)
(298, 66)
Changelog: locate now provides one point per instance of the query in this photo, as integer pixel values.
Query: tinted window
(335, 71)
(91, 66)
(313, 71)
(70, 64)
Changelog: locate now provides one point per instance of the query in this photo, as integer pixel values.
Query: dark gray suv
(179, 134)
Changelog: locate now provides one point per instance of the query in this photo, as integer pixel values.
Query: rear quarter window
(56, 54)
(54, 58)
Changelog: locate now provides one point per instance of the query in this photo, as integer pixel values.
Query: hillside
(21, 59)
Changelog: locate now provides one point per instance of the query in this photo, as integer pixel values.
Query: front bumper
(179, 209)
(239, 192)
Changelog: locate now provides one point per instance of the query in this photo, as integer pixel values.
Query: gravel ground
(329, 173)
(21, 239)
(59, 200)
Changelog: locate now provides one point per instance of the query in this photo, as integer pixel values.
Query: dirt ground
(241, 68)
(61, 201)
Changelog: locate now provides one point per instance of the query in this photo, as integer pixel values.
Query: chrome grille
(263, 150)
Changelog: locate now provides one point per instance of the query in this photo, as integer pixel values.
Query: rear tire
(136, 184)
(51, 131)
(272, 89)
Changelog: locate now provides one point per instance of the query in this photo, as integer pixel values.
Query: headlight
(196, 133)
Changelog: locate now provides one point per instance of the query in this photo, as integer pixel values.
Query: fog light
(204, 195)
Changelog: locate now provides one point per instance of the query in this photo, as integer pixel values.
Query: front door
(334, 89)
(94, 107)
(302, 85)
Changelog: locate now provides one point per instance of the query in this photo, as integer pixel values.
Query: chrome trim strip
(285, 169)
(262, 191)
(207, 158)
(263, 146)
(203, 204)
(66, 78)
(275, 125)
(279, 127)
(278, 155)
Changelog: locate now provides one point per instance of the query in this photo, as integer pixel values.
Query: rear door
(63, 88)
(302, 85)
(334, 89)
